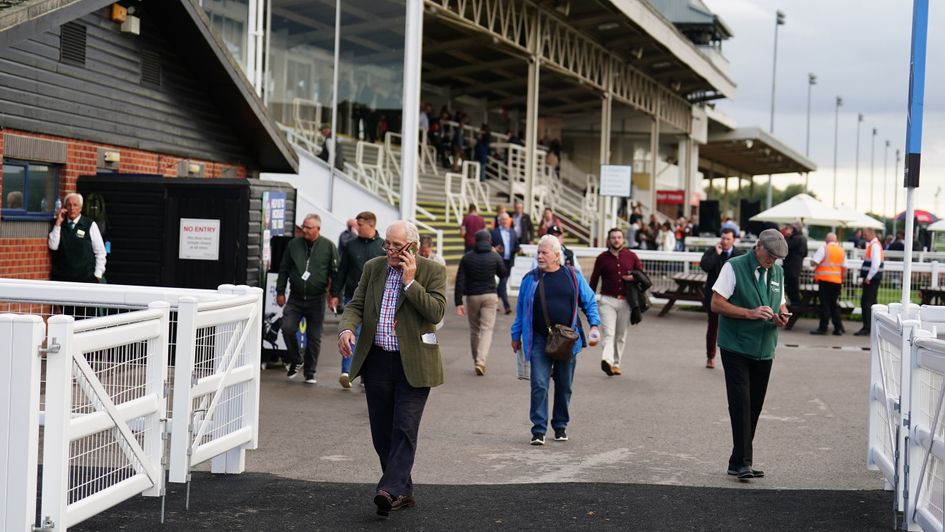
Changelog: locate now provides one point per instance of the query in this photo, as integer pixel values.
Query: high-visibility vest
(831, 269)
(868, 261)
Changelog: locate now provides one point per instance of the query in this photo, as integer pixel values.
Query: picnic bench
(810, 304)
(932, 296)
(689, 287)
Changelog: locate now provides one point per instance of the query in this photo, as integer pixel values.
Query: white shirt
(98, 246)
(876, 251)
(725, 285)
(424, 121)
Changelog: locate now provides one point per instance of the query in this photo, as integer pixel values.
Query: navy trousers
(746, 383)
(394, 409)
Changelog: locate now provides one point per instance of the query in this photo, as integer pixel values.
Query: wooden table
(933, 296)
(689, 287)
(810, 303)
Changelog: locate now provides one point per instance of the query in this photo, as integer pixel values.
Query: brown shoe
(480, 370)
(384, 503)
(709, 363)
(606, 368)
(404, 501)
(615, 369)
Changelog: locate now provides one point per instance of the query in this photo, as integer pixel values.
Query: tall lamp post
(836, 129)
(885, 178)
(896, 191)
(811, 81)
(778, 21)
(872, 166)
(856, 168)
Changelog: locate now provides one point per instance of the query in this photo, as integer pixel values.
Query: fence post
(936, 269)
(912, 454)
(56, 437)
(186, 342)
(20, 373)
(156, 369)
(910, 328)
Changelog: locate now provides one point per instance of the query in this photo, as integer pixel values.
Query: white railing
(474, 189)
(925, 449)
(309, 128)
(104, 412)
(456, 200)
(437, 232)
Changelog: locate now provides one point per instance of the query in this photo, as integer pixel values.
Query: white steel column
(654, 158)
(605, 204)
(685, 172)
(410, 141)
(531, 117)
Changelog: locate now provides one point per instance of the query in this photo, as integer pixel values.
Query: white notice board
(615, 180)
(199, 239)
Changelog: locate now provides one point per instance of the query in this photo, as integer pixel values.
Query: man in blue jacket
(505, 243)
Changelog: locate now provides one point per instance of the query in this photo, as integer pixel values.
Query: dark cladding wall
(106, 101)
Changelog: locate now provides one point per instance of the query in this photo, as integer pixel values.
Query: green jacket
(755, 339)
(321, 265)
(419, 309)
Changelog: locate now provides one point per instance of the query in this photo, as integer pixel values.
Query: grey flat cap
(774, 243)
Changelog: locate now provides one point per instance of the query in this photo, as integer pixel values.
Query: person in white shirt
(871, 272)
(78, 251)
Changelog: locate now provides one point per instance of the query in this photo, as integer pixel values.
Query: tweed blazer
(419, 309)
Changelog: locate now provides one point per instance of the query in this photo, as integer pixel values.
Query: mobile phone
(788, 314)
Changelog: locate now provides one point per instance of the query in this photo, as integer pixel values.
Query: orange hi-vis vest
(831, 269)
(868, 261)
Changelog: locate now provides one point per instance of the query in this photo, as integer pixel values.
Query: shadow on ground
(263, 502)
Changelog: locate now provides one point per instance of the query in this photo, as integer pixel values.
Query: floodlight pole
(872, 167)
(856, 167)
(811, 81)
(836, 130)
(778, 21)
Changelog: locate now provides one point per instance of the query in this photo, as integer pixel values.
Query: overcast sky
(859, 50)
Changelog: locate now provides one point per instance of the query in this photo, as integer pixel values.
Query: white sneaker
(311, 380)
(344, 380)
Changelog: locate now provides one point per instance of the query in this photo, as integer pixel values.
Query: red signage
(671, 197)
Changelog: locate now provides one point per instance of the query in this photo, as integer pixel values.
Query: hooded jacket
(478, 269)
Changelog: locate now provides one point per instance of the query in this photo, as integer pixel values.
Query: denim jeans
(543, 368)
(346, 362)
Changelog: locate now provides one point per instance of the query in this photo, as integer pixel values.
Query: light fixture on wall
(112, 157)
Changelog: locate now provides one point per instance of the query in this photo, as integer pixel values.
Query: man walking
(350, 233)
(749, 297)
(871, 272)
(358, 251)
(614, 268)
(308, 264)
(829, 271)
(397, 305)
(712, 261)
(472, 223)
(475, 279)
(797, 253)
(506, 245)
(524, 228)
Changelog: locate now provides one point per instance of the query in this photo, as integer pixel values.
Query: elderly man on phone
(397, 303)
(749, 297)
(78, 251)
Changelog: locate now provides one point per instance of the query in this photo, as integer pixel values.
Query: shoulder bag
(561, 338)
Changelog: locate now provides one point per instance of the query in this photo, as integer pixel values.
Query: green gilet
(754, 339)
(74, 260)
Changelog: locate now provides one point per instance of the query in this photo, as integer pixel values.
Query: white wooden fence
(100, 416)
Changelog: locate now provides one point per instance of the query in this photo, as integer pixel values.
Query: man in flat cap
(749, 298)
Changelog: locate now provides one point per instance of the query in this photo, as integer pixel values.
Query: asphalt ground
(647, 450)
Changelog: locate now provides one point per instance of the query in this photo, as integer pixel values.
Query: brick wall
(29, 258)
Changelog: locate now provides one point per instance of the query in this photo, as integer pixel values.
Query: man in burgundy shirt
(613, 267)
(472, 224)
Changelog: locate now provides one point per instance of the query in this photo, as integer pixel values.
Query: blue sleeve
(588, 303)
(523, 289)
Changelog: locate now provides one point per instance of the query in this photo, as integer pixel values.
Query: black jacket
(357, 252)
(797, 252)
(636, 295)
(477, 272)
(711, 264)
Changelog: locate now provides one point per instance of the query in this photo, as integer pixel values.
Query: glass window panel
(41, 182)
(230, 18)
(14, 178)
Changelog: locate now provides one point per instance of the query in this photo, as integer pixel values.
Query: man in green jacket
(397, 305)
(308, 265)
(749, 289)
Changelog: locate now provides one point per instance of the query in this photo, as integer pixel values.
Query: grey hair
(504, 216)
(74, 195)
(412, 234)
(555, 246)
(313, 216)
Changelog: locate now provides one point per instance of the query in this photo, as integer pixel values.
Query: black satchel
(561, 338)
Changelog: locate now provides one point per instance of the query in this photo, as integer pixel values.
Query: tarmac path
(647, 450)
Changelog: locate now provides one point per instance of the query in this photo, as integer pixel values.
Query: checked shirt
(386, 336)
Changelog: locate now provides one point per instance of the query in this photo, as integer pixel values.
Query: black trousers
(313, 310)
(394, 409)
(503, 288)
(868, 299)
(829, 311)
(792, 288)
(746, 383)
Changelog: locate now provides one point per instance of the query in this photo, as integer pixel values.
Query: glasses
(310, 227)
(394, 248)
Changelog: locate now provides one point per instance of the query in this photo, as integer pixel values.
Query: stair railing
(475, 189)
(456, 202)
(435, 231)
(309, 129)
